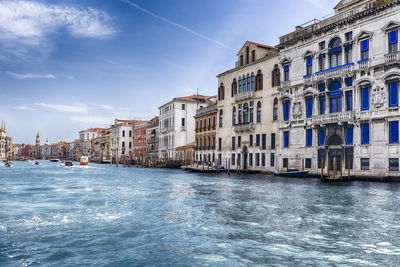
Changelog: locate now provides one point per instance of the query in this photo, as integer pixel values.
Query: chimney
(298, 28)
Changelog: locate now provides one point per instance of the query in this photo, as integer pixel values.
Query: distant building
(206, 119)
(177, 123)
(139, 142)
(152, 136)
(122, 139)
(86, 138)
(3, 141)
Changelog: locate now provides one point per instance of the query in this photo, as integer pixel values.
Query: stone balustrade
(333, 117)
(392, 57)
(244, 95)
(244, 127)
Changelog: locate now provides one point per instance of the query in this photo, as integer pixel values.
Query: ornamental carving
(378, 97)
(297, 111)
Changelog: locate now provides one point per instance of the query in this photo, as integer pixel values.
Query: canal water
(107, 216)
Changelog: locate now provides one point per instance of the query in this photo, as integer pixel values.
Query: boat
(62, 164)
(37, 162)
(69, 164)
(29, 160)
(54, 160)
(8, 164)
(292, 173)
(84, 161)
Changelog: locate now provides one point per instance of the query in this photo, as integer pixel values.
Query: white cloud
(22, 108)
(180, 26)
(31, 21)
(104, 106)
(93, 119)
(65, 108)
(24, 76)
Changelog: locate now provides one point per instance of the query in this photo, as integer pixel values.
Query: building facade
(122, 139)
(205, 144)
(86, 141)
(152, 136)
(248, 122)
(3, 142)
(339, 93)
(177, 123)
(139, 142)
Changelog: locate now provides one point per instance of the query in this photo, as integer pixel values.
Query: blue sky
(74, 64)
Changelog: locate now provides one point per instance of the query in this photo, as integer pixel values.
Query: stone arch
(334, 140)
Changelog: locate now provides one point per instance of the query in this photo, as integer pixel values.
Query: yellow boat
(84, 161)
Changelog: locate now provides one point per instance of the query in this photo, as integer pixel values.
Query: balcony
(336, 71)
(244, 127)
(285, 84)
(308, 78)
(333, 117)
(244, 95)
(363, 64)
(392, 57)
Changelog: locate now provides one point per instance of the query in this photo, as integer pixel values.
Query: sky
(69, 65)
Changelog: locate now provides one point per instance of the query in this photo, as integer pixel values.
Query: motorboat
(54, 160)
(62, 164)
(84, 161)
(29, 160)
(293, 173)
(8, 164)
(69, 164)
(36, 162)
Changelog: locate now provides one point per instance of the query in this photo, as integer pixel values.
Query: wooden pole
(348, 169)
(328, 172)
(334, 167)
(302, 164)
(322, 169)
(341, 169)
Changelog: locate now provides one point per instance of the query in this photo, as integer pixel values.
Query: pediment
(391, 26)
(308, 53)
(364, 35)
(285, 61)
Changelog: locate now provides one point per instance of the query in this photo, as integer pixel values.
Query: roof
(263, 45)
(132, 122)
(192, 98)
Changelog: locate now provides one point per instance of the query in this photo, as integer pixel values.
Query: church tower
(37, 139)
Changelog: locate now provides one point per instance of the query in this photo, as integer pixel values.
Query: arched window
(234, 116)
(240, 85)
(221, 117)
(275, 110)
(245, 113)
(244, 83)
(248, 82)
(201, 143)
(259, 81)
(335, 52)
(197, 143)
(258, 112)
(209, 142)
(221, 92)
(251, 111)
(123, 133)
(234, 87)
(205, 142)
(276, 79)
(252, 81)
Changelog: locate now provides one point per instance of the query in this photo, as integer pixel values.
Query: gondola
(293, 173)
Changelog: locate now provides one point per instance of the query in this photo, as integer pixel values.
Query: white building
(248, 110)
(86, 138)
(339, 93)
(3, 141)
(122, 139)
(177, 123)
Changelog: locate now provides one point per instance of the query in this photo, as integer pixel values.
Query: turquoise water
(108, 216)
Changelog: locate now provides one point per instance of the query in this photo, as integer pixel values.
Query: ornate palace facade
(339, 93)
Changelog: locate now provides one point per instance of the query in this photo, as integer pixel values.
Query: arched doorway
(335, 151)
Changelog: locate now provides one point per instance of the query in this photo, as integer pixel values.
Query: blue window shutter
(365, 134)
(321, 141)
(309, 137)
(322, 105)
(393, 94)
(393, 37)
(394, 132)
(286, 68)
(364, 45)
(349, 81)
(349, 101)
(349, 136)
(286, 111)
(334, 86)
(321, 87)
(286, 138)
(365, 98)
(309, 107)
(309, 61)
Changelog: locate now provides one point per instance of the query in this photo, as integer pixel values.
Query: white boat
(84, 161)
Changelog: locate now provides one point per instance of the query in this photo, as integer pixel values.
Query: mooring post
(341, 169)
(328, 172)
(348, 169)
(322, 169)
(334, 167)
(302, 164)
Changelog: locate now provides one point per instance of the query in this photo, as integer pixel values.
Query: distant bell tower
(37, 139)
